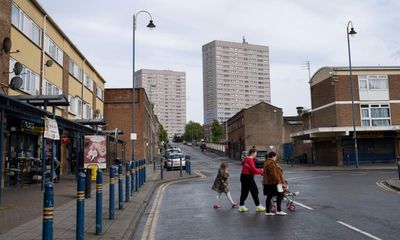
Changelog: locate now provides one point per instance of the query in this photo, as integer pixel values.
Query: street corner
(391, 185)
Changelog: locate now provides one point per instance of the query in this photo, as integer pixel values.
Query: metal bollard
(48, 211)
(180, 168)
(162, 169)
(190, 167)
(398, 167)
(136, 176)
(154, 165)
(132, 177)
(80, 207)
(99, 199)
(127, 182)
(120, 187)
(145, 171)
(111, 210)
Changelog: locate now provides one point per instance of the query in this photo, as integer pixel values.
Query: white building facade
(166, 90)
(235, 76)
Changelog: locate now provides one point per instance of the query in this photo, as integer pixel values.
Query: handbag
(279, 187)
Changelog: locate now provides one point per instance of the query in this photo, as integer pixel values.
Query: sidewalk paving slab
(122, 227)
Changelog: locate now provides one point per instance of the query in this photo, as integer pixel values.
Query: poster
(51, 129)
(95, 151)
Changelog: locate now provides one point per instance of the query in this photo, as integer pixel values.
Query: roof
(254, 106)
(330, 71)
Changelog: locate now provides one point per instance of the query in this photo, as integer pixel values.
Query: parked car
(172, 150)
(260, 158)
(244, 154)
(173, 161)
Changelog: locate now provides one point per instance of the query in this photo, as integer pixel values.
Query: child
(221, 185)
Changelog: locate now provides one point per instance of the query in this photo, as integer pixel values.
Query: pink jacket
(248, 167)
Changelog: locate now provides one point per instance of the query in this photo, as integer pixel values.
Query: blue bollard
(141, 173)
(111, 209)
(132, 178)
(120, 187)
(136, 176)
(48, 211)
(80, 207)
(99, 199)
(127, 182)
(144, 171)
(162, 170)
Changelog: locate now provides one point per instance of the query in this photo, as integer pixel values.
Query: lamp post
(352, 32)
(150, 26)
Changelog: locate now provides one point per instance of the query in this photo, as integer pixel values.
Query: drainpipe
(41, 91)
(83, 81)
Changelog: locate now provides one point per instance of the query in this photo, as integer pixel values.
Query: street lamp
(352, 32)
(150, 26)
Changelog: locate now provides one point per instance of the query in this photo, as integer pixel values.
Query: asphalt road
(336, 205)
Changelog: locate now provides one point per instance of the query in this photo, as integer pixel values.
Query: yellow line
(149, 232)
(386, 188)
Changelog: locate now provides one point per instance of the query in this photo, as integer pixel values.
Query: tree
(163, 133)
(217, 131)
(193, 131)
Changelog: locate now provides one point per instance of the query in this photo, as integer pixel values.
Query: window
(88, 82)
(373, 82)
(99, 93)
(78, 107)
(72, 104)
(26, 25)
(51, 89)
(75, 70)
(30, 80)
(53, 50)
(375, 115)
(87, 111)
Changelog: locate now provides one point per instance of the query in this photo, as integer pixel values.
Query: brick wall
(322, 93)
(5, 31)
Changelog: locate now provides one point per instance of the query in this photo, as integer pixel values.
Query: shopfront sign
(51, 129)
(370, 134)
(27, 126)
(95, 151)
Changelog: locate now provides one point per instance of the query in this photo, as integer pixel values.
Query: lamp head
(352, 32)
(151, 25)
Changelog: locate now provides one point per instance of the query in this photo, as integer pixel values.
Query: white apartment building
(166, 89)
(235, 76)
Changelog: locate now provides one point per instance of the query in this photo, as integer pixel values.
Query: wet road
(335, 205)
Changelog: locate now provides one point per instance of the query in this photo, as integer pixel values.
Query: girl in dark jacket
(221, 185)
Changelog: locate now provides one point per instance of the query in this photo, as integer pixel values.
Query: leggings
(228, 195)
(248, 185)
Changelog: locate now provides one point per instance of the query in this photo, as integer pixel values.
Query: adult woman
(248, 184)
(273, 175)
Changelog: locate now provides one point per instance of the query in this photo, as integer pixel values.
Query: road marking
(149, 231)
(359, 230)
(386, 188)
(302, 205)
(306, 178)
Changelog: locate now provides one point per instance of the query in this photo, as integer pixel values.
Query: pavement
(64, 226)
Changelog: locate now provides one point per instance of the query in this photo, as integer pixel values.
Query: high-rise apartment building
(167, 92)
(235, 76)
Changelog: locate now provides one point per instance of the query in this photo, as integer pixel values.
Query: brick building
(260, 125)
(118, 114)
(377, 115)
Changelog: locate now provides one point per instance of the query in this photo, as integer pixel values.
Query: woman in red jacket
(249, 170)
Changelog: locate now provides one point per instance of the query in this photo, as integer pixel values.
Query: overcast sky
(296, 31)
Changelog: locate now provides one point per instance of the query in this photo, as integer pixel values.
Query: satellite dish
(16, 82)
(18, 67)
(6, 47)
(49, 63)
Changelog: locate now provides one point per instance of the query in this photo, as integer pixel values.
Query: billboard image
(95, 151)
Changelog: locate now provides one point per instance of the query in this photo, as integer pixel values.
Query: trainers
(282, 213)
(260, 209)
(235, 205)
(217, 206)
(243, 209)
(269, 214)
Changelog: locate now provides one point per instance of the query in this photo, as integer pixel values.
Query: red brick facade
(118, 114)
